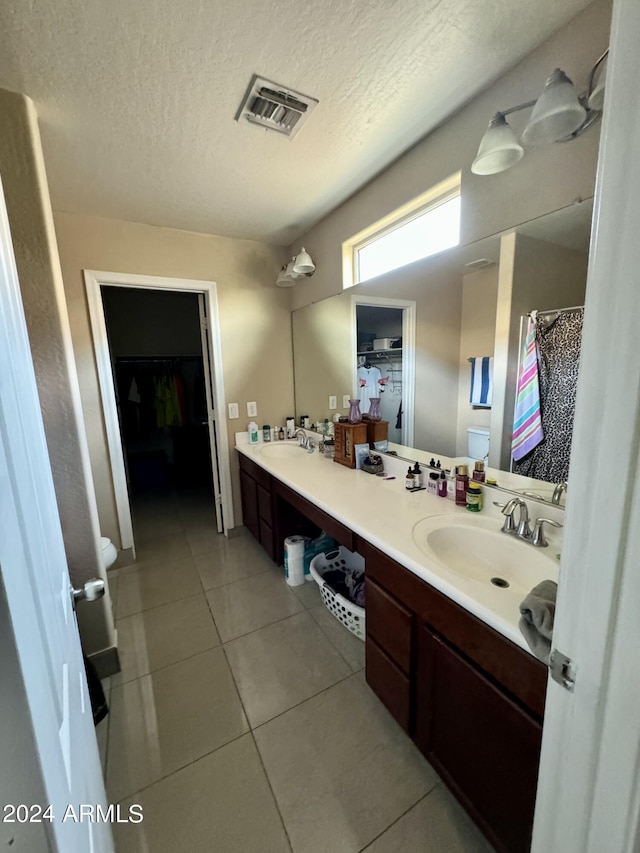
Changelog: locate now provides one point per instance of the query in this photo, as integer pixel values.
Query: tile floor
(241, 719)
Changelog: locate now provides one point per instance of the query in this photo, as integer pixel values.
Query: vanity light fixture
(300, 266)
(559, 115)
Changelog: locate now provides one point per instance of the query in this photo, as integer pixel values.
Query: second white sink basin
(474, 548)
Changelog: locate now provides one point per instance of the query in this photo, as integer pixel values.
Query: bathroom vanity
(443, 652)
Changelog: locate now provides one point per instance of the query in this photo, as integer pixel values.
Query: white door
(38, 590)
(211, 408)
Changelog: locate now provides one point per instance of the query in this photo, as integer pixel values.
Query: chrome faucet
(304, 442)
(523, 531)
(557, 493)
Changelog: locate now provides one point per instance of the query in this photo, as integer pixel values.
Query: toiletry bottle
(462, 483)
(253, 432)
(478, 472)
(266, 432)
(451, 484)
(432, 482)
(291, 427)
(442, 485)
(417, 476)
(474, 496)
(410, 481)
(280, 434)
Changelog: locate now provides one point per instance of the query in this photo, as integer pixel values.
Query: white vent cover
(480, 264)
(275, 107)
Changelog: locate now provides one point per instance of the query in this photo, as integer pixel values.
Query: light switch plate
(233, 411)
(333, 402)
(252, 410)
(345, 401)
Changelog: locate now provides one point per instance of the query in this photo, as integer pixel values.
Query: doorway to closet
(158, 368)
(384, 340)
(158, 355)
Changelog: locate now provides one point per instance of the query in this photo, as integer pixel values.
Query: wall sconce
(558, 115)
(300, 266)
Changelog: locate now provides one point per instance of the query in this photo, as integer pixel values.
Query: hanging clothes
(371, 382)
(167, 402)
(559, 361)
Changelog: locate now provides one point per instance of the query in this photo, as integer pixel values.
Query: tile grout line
(399, 818)
(264, 769)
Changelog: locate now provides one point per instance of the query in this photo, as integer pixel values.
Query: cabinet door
(484, 745)
(249, 495)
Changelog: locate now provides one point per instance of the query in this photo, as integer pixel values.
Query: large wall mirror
(471, 302)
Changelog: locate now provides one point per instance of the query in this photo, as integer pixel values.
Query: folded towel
(527, 421)
(538, 610)
(481, 381)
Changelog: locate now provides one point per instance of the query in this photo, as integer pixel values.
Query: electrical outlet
(345, 401)
(233, 411)
(252, 410)
(333, 402)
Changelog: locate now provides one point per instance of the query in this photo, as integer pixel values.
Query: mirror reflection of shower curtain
(558, 362)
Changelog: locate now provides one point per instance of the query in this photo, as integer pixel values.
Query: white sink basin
(282, 449)
(475, 548)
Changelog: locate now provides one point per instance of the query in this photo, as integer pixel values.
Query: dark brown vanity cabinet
(258, 504)
(470, 699)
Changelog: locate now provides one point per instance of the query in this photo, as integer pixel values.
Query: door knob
(90, 591)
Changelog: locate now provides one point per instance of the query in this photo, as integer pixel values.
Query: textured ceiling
(137, 98)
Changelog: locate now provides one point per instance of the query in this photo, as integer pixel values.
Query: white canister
(294, 560)
(252, 429)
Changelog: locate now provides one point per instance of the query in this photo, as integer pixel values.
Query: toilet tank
(478, 442)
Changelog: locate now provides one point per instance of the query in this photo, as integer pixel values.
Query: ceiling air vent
(275, 107)
(480, 264)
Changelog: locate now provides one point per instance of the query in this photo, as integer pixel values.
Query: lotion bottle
(462, 484)
(253, 432)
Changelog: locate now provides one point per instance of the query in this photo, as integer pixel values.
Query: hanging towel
(527, 422)
(481, 381)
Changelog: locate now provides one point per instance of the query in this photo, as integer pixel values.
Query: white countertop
(384, 513)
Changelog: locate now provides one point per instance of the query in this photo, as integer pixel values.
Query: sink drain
(501, 582)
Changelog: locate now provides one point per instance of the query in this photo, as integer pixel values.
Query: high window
(424, 227)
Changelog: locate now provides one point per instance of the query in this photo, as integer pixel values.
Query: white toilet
(109, 552)
(478, 442)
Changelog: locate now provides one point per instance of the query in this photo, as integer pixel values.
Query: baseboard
(106, 662)
(234, 532)
(125, 558)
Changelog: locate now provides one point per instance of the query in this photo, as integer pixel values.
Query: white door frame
(93, 281)
(589, 784)
(408, 353)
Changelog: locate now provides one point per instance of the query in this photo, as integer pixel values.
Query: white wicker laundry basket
(344, 610)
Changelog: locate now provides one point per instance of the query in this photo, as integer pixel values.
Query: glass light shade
(596, 98)
(290, 270)
(499, 148)
(557, 114)
(303, 265)
(283, 279)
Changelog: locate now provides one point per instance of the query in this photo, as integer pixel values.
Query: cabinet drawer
(255, 471)
(389, 684)
(389, 624)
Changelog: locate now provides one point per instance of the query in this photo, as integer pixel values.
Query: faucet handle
(538, 537)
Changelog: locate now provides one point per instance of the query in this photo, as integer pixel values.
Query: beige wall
(546, 179)
(533, 275)
(30, 218)
(477, 338)
(254, 319)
